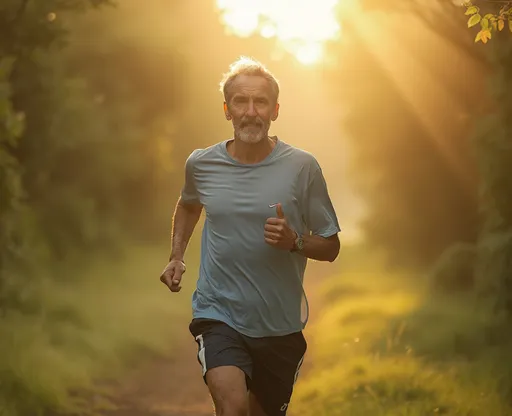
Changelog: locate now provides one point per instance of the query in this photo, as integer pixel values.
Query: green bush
(493, 275)
(86, 333)
(454, 270)
(394, 350)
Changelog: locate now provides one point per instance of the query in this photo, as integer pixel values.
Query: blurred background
(102, 101)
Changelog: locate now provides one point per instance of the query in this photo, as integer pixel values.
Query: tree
(413, 164)
(493, 148)
(85, 138)
(419, 201)
(98, 120)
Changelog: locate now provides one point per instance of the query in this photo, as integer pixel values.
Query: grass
(94, 320)
(385, 346)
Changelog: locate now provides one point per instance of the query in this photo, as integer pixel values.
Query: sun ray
(300, 27)
(414, 80)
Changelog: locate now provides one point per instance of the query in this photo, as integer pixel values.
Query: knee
(233, 406)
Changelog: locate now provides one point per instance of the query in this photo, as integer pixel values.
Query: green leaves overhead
(490, 22)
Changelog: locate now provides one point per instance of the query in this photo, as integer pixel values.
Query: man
(267, 212)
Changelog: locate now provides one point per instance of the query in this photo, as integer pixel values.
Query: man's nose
(251, 109)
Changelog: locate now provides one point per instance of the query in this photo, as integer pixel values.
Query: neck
(250, 153)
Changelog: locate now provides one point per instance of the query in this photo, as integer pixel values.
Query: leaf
(489, 16)
(484, 23)
(486, 35)
(501, 25)
(494, 26)
(471, 10)
(474, 20)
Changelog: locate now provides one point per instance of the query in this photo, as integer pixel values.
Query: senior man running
(267, 211)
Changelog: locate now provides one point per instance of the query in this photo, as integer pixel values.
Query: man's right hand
(171, 276)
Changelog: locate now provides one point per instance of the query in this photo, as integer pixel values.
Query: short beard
(251, 137)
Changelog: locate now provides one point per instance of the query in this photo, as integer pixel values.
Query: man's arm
(321, 248)
(279, 234)
(187, 213)
(184, 221)
(186, 216)
(323, 244)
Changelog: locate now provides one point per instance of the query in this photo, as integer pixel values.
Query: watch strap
(298, 243)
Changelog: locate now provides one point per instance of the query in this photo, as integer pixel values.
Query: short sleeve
(189, 192)
(320, 216)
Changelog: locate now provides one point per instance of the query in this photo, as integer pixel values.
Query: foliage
(27, 25)
(11, 128)
(24, 37)
(91, 325)
(85, 169)
(489, 22)
(454, 270)
(419, 186)
(93, 159)
(388, 347)
(491, 141)
(489, 146)
(494, 270)
(11, 191)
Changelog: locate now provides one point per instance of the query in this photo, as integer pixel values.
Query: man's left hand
(278, 233)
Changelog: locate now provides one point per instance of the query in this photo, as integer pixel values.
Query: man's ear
(276, 112)
(226, 111)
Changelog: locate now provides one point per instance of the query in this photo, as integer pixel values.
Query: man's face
(251, 107)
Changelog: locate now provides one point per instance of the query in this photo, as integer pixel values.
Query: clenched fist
(171, 276)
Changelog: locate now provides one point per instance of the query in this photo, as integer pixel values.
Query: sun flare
(300, 27)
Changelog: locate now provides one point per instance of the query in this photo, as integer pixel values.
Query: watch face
(300, 243)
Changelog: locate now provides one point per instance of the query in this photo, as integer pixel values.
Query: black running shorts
(271, 364)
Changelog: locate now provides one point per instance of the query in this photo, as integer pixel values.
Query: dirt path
(166, 388)
(175, 387)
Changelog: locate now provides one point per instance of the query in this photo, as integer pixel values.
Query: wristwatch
(298, 245)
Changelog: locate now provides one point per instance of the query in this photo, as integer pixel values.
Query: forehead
(250, 85)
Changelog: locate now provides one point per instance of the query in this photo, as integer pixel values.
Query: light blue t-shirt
(251, 286)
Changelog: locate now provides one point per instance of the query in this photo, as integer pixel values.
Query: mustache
(255, 122)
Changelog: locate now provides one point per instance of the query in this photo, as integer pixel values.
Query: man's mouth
(244, 125)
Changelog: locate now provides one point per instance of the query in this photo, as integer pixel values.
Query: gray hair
(248, 66)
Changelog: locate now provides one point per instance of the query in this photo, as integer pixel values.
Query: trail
(171, 387)
(174, 387)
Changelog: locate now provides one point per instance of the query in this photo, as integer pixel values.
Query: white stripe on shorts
(201, 354)
(298, 369)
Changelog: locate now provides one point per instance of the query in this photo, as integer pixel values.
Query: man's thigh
(225, 362)
(228, 390)
(276, 365)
